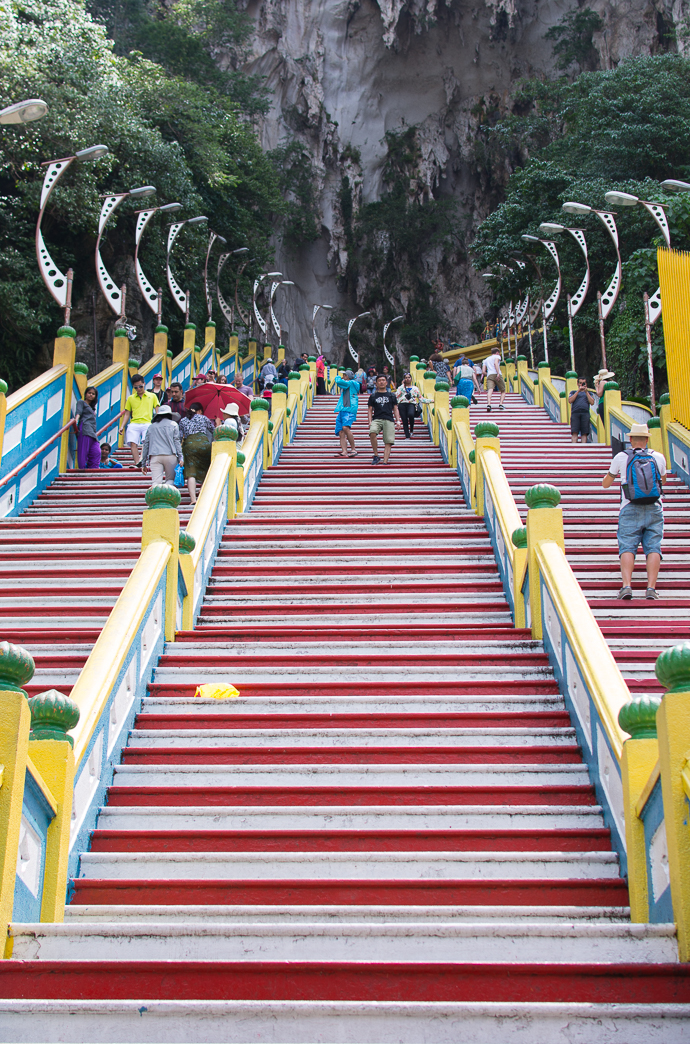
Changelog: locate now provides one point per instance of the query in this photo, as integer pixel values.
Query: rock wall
(344, 72)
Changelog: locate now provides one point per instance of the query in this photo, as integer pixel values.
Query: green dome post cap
(3, 387)
(119, 332)
(519, 537)
(190, 326)
(226, 433)
(472, 456)
(449, 424)
(522, 358)
(486, 430)
(169, 353)
(459, 402)
(414, 358)
(210, 322)
(80, 367)
(543, 365)
(442, 386)
(259, 404)
(162, 496)
(280, 389)
(133, 364)
(270, 425)
(664, 399)
(240, 458)
(281, 346)
(304, 366)
(311, 358)
(233, 333)
(161, 329)
(16, 667)
(52, 715)
(570, 373)
(301, 396)
(187, 543)
(433, 411)
(288, 410)
(654, 422)
(561, 395)
(293, 375)
(612, 386)
(69, 331)
(428, 374)
(542, 496)
(420, 366)
(673, 668)
(638, 717)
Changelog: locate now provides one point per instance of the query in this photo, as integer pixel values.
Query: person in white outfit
(494, 378)
(162, 447)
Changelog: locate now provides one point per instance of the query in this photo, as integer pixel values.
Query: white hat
(639, 431)
(232, 410)
(604, 375)
(164, 411)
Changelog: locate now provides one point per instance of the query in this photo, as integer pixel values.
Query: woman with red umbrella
(196, 432)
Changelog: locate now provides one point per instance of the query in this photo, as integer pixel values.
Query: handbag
(178, 478)
(418, 409)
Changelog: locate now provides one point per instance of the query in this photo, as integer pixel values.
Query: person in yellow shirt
(139, 410)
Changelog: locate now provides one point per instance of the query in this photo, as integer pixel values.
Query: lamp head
(169, 207)
(287, 282)
(576, 208)
(530, 239)
(24, 111)
(671, 185)
(272, 275)
(549, 228)
(94, 152)
(197, 220)
(221, 239)
(241, 250)
(142, 192)
(621, 199)
(326, 308)
(362, 314)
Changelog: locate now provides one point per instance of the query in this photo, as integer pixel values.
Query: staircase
(389, 836)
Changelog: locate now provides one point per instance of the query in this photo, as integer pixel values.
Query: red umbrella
(213, 397)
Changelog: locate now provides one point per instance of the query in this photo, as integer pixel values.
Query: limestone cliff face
(342, 73)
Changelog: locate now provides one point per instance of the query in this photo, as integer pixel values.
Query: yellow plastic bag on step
(216, 691)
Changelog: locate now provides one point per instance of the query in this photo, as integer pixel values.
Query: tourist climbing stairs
(390, 834)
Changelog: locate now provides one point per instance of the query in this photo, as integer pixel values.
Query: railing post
(428, 383)
(64, 352)
(640, 755)
(612, 397)
(519, 539)
(441, 390)
(161, 521)
(543, 373)
(160, 348)
(121, 355)
(259, 418)
(16, 668)
(210, 337)
(225, 444)
(544, 522)
(486, 435)
(665, 416)
(278, 402)
(304, 374)
(3, 413)
(673, 730)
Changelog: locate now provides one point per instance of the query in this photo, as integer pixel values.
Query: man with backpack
(641, 518)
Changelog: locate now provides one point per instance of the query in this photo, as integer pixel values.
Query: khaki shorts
(495, 380)
(386, 427)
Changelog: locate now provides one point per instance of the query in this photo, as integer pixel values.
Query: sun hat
(164, 411)
(639, 431)
(231, 410)
(604, 375)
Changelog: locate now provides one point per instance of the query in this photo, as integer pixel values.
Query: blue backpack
(642, 478)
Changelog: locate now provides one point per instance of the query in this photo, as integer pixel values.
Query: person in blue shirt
(346, 412)
(106, 461)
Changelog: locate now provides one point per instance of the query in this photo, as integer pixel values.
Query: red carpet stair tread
(392, 827)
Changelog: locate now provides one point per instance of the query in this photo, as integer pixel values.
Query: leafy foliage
(297, 179)
(573, 36)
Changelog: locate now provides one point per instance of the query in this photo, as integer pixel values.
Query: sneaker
(375, 460)
(625, 593)
(652, 595)
(488, 409)
(501, 406)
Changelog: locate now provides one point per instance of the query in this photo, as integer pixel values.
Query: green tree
(573, 39)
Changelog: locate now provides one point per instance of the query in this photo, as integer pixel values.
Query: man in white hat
(641, 518)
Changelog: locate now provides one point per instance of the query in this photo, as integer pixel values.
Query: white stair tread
(350, 737)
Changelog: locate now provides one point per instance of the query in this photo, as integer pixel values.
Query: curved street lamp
(225, 308)
(213, 238)
(549, 305)
(153, 298)
(391, 358)
(607, 300)
(114, 297)
(181, 297)
(24, 111)
(59, 285)
(315, 309)
(574, 303)
(352, 322)
(274, 287)
(257, 286)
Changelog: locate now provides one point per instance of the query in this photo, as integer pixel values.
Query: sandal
(354, 453)
(341, 454)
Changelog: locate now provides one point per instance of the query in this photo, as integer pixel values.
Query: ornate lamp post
(114, 297)
(607, 300)
(315, 309)
(153, 298)
(24, 111)
(225, 308)
(213, 238)
(274, 287)
(549, 305)
(257, 286)
(352, 322)
(181, 297)
(391, 358)
(59, 285)
(575, 302)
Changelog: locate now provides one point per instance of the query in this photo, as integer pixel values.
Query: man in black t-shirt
(384, 417)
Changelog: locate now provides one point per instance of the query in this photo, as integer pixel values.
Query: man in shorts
(384, 418)
(139, 410)
(494, 378)
(638, 523)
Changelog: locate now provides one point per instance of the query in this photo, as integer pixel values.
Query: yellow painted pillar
(162, 522)
(233, 350)
(54, 759)
(486, 434)
(160, 347)
(440, 396)
(570, 386)
(16, 668)
(522, 367)
(188, 343)
(268, 350)
(259, 418)
(428, 383)
(304, 374)
(544, 522)
(612, 397)
(655, 434)
(281, 352)
(637, 764)
(665, 416)
(673, 731)
(3, 413)
(81, 377)
(64, 352)
(210, 338)
(510, 374)
(239, 476)
(121, 355)
(279, 401)
(543, 374)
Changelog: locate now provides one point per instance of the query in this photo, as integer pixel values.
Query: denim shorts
(640, 523)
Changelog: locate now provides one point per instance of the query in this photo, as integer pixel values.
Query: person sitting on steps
(641, 518)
